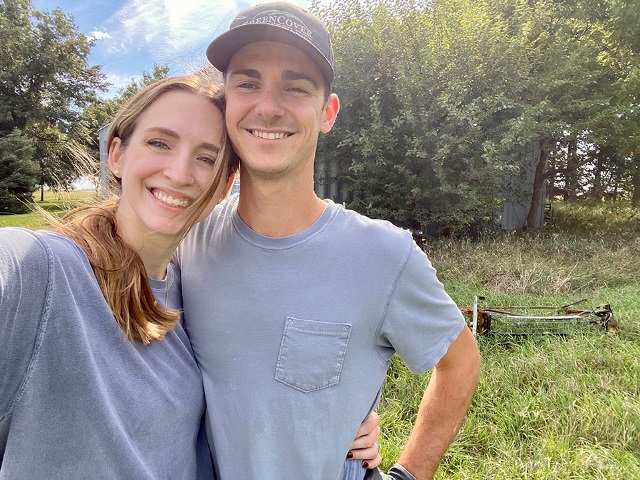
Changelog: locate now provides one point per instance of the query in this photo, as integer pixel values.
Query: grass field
(547, 407)
(56, 203)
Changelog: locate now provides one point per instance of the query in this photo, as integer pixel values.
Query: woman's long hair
(118, 268)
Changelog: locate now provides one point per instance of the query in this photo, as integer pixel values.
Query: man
(305, 302)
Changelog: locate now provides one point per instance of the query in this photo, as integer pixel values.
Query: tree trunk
(598, 189)
(551, 191)
(42, 193)
(571, 176)
(635, 200)
(538, 181)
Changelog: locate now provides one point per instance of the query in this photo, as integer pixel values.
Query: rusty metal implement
(536, 319)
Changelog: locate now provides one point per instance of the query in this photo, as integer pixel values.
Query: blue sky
(133, 34)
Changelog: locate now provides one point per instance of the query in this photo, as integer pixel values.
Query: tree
(159, 72)
(45, 81)
(18, 172)
(412, 84)
(445, 105)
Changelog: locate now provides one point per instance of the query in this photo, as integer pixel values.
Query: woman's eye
(208, 160)
(157, 144)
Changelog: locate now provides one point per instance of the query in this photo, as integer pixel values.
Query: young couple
(293, 306)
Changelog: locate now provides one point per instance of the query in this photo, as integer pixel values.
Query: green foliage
(45, 77)
(158, 72)
(547, 407)
(18, 173)
(444, 104)
(45, 81)
(93, 118)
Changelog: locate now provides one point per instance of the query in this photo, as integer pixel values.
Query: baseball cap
(275, 22)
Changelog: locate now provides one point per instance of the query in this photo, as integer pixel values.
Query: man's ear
(228, 187)
(330, 113)
(115, 157)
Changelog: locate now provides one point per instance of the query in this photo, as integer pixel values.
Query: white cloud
(98, 35)
(171, 28)
(166, 32)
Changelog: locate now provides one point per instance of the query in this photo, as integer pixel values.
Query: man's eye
(246, 85)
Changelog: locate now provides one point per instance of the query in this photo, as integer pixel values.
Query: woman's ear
(115, 157)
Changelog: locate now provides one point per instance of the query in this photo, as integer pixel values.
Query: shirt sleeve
(422, 320)
(24, 276)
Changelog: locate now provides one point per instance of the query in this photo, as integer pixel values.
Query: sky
(132, 35)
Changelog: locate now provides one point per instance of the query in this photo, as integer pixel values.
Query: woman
(82, 395)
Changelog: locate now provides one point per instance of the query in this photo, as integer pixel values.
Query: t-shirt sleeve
(24, 276)
(422, 320)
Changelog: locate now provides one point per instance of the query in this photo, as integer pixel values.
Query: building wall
(104, 157)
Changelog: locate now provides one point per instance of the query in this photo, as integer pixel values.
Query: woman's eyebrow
(210, 146)
(165, 131)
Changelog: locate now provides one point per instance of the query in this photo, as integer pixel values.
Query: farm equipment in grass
(536, 319)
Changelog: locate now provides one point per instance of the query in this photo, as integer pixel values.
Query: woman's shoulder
(34, 252)
(26, 243)
(21, 245)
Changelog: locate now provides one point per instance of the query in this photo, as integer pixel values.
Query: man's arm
(443, 407)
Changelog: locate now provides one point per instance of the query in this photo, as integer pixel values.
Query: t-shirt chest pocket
(311, 354)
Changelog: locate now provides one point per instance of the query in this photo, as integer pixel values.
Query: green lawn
(547, 407)
(56, 203)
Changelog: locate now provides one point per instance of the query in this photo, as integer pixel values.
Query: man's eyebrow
(247, 72)
(289, 75)
(170, 133)
(292, 75)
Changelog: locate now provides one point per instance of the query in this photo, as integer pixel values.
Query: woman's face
(167, 164)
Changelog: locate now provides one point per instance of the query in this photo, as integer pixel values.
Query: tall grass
(547, 407)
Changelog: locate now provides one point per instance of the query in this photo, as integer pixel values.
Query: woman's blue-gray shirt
(78, 399)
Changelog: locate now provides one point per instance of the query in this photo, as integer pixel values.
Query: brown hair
(118, 268)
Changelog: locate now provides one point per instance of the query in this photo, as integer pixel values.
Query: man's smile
(269, 135)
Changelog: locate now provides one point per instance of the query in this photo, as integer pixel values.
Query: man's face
(276, 108)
